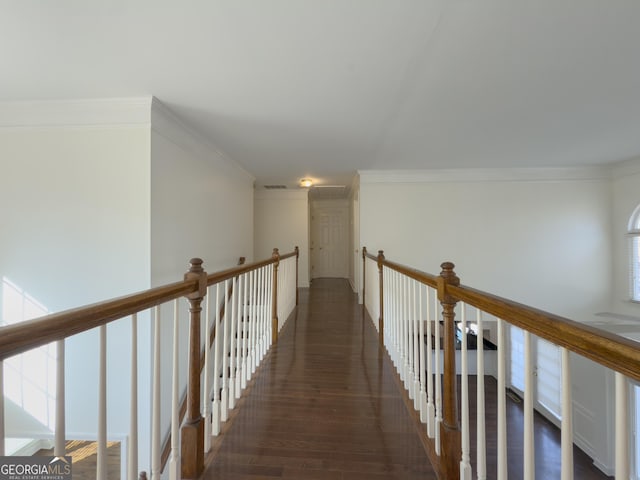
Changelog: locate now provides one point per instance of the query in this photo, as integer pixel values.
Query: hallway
(324, 404)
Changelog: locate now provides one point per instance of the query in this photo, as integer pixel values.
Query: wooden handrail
(613, 351)
(24, 336)
(419, 275)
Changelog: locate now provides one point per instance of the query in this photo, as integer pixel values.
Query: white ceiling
(295, 88)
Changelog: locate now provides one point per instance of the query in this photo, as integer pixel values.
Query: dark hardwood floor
(325, 404)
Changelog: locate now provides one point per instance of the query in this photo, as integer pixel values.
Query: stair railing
(253, 312)
(409, 306)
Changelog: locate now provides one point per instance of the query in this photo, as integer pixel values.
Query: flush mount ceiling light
(306, 182)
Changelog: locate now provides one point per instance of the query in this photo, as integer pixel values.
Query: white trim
(76, 113)
(625, 168)
(168, 125)
(486, 175)
(31, 447)
(284, 194)
(586, 415)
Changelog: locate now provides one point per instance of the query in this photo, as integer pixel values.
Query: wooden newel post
(381, 318)
(192, 433)
(364, 278)
(274, 297)
(450, 426)
(297, 258)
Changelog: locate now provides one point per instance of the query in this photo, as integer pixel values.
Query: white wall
(546, 243)
(281, 220)
(75, 229)
(113, 206)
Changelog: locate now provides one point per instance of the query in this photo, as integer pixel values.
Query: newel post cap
(447, 277)
(196, 272)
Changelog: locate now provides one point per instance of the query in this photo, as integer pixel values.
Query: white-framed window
(634, 257)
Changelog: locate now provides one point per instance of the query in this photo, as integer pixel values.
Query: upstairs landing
(324, 405)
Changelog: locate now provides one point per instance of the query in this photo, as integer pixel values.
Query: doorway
(329, 239)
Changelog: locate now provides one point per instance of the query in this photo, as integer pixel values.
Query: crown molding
(626, 168)
(486, 175)
(76, 113)
(167, 124)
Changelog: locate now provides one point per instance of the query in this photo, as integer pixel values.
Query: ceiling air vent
(275, 187)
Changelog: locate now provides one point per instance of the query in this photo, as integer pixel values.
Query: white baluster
(417, 337)
(2, 429)
(155, 406)
(401, 317)
(391, 314)
(566, 431)
(481, 447)
(224, 397)
(422, 362)
(252, 325)
(101, 465)
(431, 411)
(437, 379)
(59, 449)
(529, 448)
(238, 352)
(215, 407)
(245, 333)
(206, 383)
(267, 313)
(622, 428)
(502, 406)
(260, 316)
(410, 340)
(398, 321)
(406, 323)
(132, 462)
(387, 294)
(233, 346)
(269, 309)
(174, 461)
(465, 462)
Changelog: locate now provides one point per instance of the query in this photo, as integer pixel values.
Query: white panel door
(329, 242)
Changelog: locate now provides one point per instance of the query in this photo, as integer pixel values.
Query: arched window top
(634, 221)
